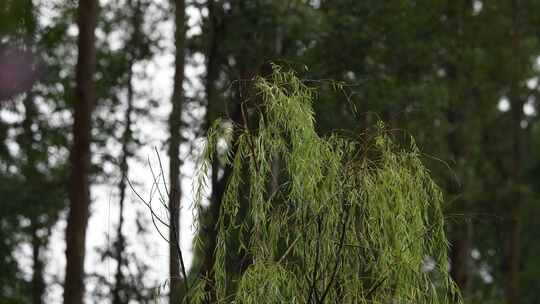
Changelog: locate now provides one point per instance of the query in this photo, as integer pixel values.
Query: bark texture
(176, 265)
(80, 154)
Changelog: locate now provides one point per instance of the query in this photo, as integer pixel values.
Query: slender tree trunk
(460, 239)
(120, 242)
(513, 243)
(211, 76)
(218, 190)
(80, 154)
(118, 293)
(459, 256)
(176, 264)
(32, 175)
(243, 91)
(219, 184)
(460, 242)
(38, 284)
(456, 116)
(512, 256)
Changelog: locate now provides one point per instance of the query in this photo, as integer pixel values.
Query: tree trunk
(176, 263)
(218, 190)
(31, 174)
(513, 243)
(459, 256)
(38, 284)
(512, 255)
(460, 238)
(209, 229)
(119, 286)
(457, 144)
(80, 154)
(119, 290)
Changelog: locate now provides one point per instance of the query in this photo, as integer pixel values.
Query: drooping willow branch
(305, 245)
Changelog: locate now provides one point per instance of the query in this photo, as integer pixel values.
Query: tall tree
(120, 244)
(213, 28)
(119, 289)
(329, 234)
(457, 67)
(80, 153)
(517, 101)
(33, 190)
(177, 271)
(239, 38)
(121, 62)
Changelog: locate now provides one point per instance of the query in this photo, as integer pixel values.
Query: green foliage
(351, 222)
(16, 19)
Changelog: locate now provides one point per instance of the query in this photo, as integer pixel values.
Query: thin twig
(175, 241)
(152, 214)
(250, 139)
(288, 250)
(315, 266)
(375, 286)
(156, 182)
(338, 258)
(162, 171)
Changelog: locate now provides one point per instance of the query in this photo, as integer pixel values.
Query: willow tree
(353, 221)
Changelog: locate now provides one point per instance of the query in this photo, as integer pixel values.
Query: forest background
(459, 76)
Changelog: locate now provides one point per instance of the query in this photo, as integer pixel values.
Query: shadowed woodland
(324, 151)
